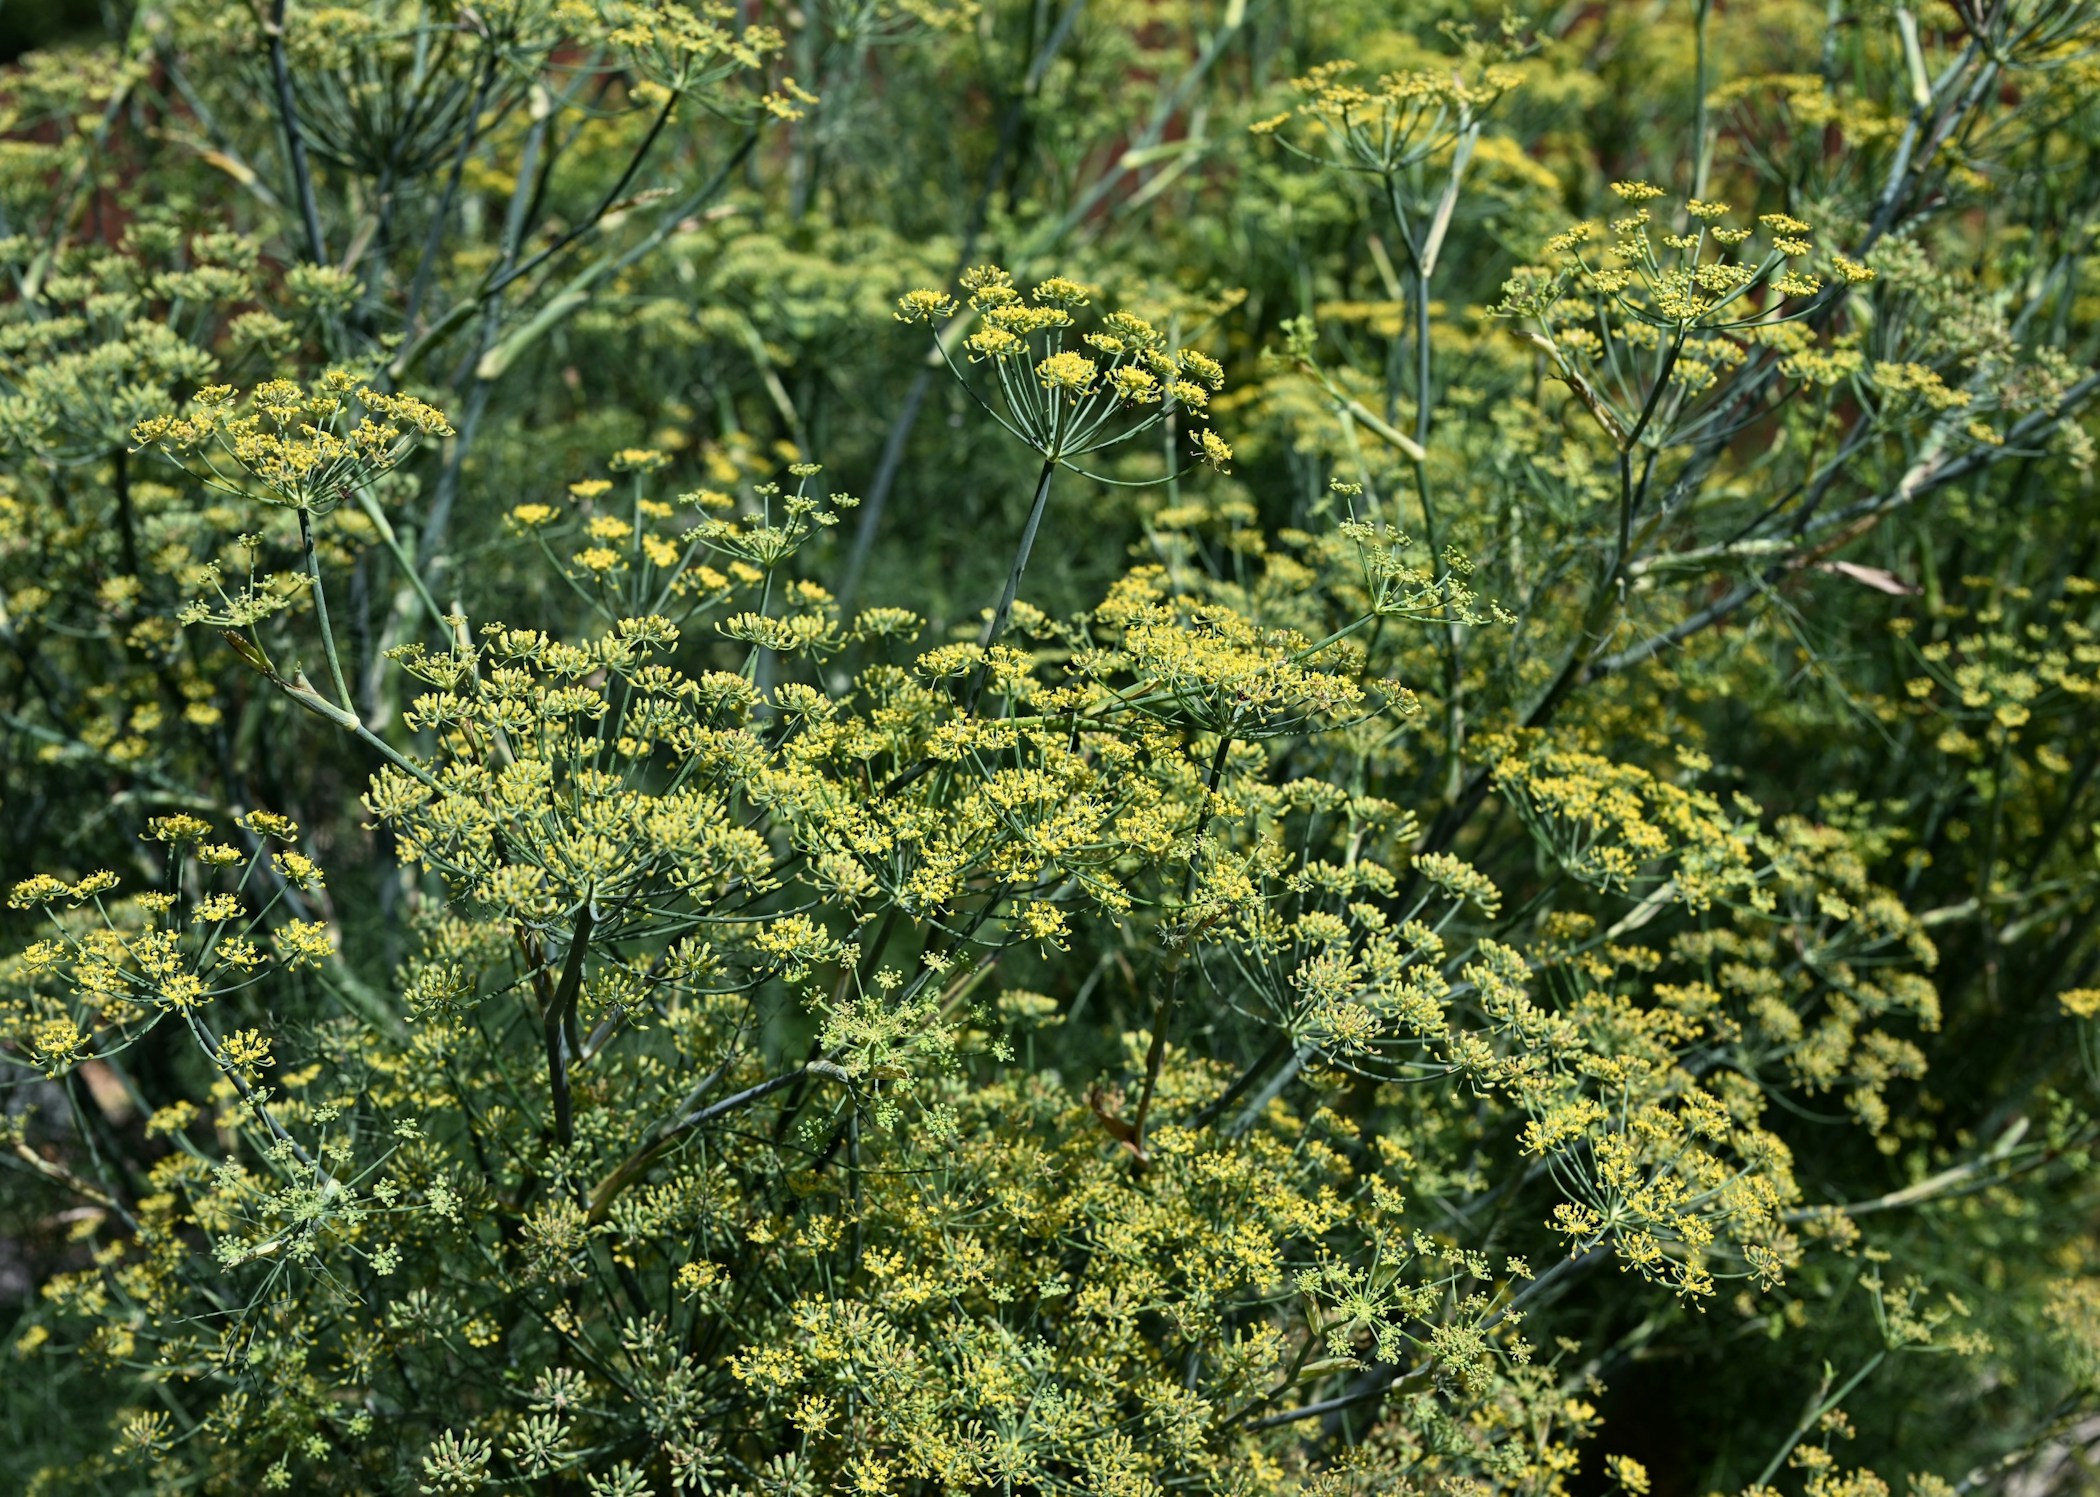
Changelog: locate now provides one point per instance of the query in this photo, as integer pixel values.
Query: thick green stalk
(996, 625)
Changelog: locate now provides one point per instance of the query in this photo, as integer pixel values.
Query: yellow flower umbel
(305, 449)
(1642, 322)
(1062, 402)
(1401, 120)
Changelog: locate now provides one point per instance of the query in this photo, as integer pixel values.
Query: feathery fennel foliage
(909, 746)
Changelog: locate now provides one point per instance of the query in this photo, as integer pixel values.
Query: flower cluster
(1556, 855)
(305, 449)
(1064, 403)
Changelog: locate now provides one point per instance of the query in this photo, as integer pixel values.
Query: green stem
(997, 624)
(401, 557)
(1156, 1053)
(127, 523)
(1808, 1423)
(554, 1020)
(1702, 160)
(313, 570)
(294, 139)
(1454, 666)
